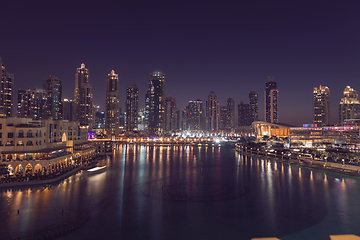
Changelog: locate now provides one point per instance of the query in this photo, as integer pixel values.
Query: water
(180, 192)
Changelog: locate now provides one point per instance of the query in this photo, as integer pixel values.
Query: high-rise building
(184, 119)
(21, 94)
(195, 115)
(68, 109)
(244, 114)
(230, 123)
(223, 119)
(253, 106)
(34, 104)
(321, 106)
(83, 97)
(349, 107)
(156, 103)
(132, 101)
(170, 114)
(212, 112)
(52, 85)
(99, 119)
(112, 104)
(142, 124)
(6, 91)
(147, 110)
(271, 101)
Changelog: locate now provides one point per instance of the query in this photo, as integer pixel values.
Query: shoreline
(332, 167)
(47, 181)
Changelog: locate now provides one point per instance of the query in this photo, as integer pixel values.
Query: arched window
(21, 134)
(29, 134)
(29, 143)
(20, 143)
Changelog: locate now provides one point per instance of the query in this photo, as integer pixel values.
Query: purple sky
(226, 47)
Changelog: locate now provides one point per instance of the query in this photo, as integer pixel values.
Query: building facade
(132, 107)
(68, 109)
(171, 115)
(112, 104)
(349, 106)
(34, 104)
(195, 119)
(83, 97)
(6, 91)
(271, 101)
(156, 93)
(230, 122)
(212, 112)
(52, 85)
(244, 114)
(42, 147)
(20, 97)
(321, 106)
(253, 106)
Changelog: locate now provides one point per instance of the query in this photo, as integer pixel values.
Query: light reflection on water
(136, 198)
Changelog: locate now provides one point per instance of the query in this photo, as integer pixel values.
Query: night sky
(226, 47)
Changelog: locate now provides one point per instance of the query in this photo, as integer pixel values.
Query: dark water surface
(185, 193)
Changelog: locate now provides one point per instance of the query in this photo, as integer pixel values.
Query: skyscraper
(146, 110)
(6, 91)
(253, 106)
(83, 97)
(68, 109)
(212, 112)
(21, 94)
(34, 104)
(243, 114)
(349, 107)
(132, 99)
(112, 104)
(321, 106)
(156, 103)
(195, 115)
(52, 85)
(230, 114)
(223, 119)
(271, 101)
(170, 114)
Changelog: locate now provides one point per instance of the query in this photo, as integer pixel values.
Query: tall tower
(253, 106)
(243, 114)
(53, 87)
(223, 120)
(6, 91)
(195, 115)
(156, 102)
(271, 101)
(20, 110)
(321, 106)
(68, 109)
(132, 99)
(35, 104)
(212, 112)
(230, 114)
(83, 97)
(349, 107)
(112, 104)
(170, 114)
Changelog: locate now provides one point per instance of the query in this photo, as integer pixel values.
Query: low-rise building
(38, 147)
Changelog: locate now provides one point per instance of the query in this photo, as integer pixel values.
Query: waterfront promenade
(347, 169)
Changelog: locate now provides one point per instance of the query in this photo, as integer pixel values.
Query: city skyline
(303, 44)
